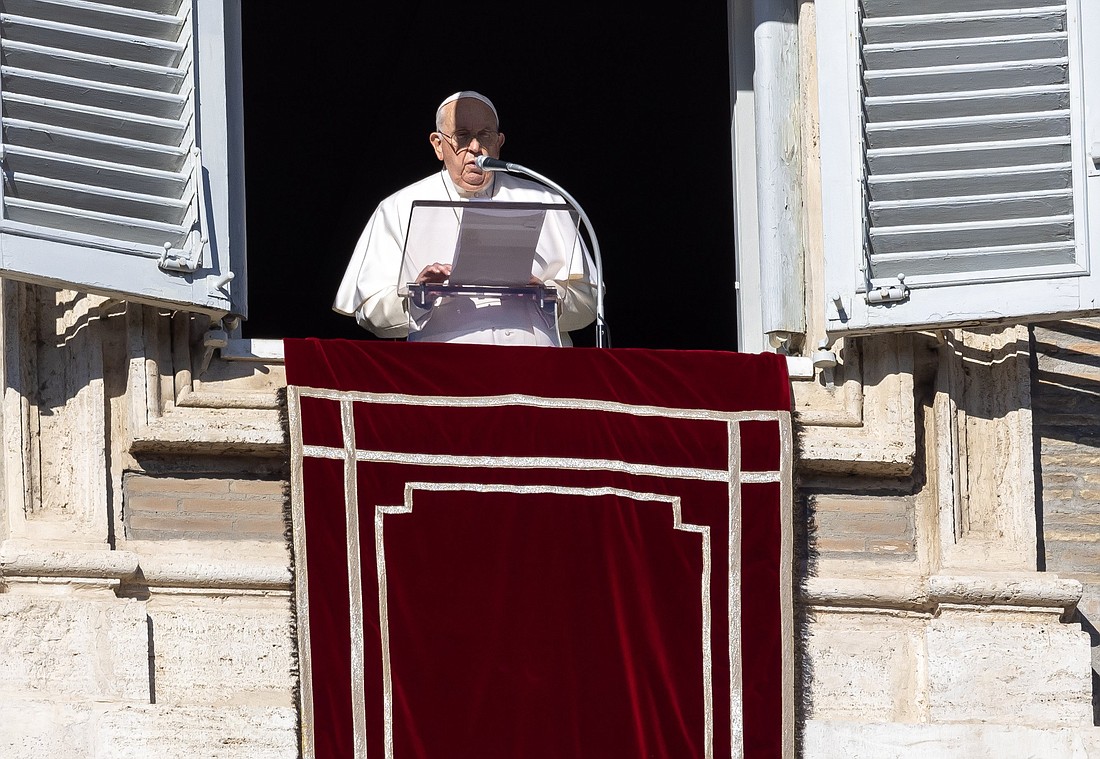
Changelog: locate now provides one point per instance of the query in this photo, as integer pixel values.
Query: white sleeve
(369, 287)
(569, 266)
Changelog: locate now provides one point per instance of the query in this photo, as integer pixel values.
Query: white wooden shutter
(954, 161)
(121, 150)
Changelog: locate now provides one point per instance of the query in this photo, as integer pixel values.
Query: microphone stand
(487, 163)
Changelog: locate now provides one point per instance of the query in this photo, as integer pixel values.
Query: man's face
(466, 122)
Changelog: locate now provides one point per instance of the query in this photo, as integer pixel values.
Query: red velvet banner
(531, 552)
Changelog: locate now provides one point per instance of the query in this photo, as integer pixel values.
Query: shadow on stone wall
(1065, 392)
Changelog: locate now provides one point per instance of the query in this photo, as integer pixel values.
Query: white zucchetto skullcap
(467, 94)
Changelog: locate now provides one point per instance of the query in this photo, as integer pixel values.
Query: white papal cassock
(369, 288)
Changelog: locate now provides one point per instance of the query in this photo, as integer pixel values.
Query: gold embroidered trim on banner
(355, 580)
(576, 404)
(677, 524)
(733, 590)
(733, 476)
(786, 577)
(525, 462)
(301, 575)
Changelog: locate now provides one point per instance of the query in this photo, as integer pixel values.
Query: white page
(496, 246)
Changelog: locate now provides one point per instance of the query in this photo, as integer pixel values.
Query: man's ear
(437, 144)
(500, 140)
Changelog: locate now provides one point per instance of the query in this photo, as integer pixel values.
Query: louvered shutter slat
(966, 104)
(42, 163)
(926, 54)
(950, 210)
(166, 7)
(984, 23)
(91, 145)
(939, 107)
(117, 19)
(131, 126)
(81, 90)
(91, 223)
(49, 60)
(103, 200)
(165, 105)
(937, 185)
(968, 156)
(968, 261)
(978, 129)
(161, 52)
(977, 76)
(887, 8)
(939, 239)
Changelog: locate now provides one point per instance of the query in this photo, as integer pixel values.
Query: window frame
(115, 268)
(1011, 294)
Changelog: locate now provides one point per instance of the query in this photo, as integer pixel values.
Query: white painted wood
(1090, 122)
(105, 106)
(842, 156)
(778, 168)
(971, 165)
(750, 329)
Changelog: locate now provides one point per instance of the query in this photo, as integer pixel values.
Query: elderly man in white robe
(467, 126)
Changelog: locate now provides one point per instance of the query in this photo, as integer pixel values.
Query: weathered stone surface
(989, 668)
(73, 647)
(832, 740)
(862, 525)
(865, 666)
(1067, 408)
(234, 649)
(195, 732)
(198, 508)
(44, 730)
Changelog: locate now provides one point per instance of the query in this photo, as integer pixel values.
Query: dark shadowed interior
(628, 110)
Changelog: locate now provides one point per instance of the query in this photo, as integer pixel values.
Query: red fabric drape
(544, 543)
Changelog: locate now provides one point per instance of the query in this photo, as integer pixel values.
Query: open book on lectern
(491, 243)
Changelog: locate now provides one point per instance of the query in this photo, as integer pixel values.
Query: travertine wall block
(866, 666)
(990, 741)
(45, 730)
(73, 648)
(191, 732)
(232, 649)
(1005, 667)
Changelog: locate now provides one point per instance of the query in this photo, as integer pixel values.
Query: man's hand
(434, 273)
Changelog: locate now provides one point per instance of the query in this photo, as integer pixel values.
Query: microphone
(488, 163)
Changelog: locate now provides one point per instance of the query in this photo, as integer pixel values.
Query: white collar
(486, 193)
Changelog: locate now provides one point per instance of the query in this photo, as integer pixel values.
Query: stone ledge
(854, 740)
(40, 729)
(130, 568)
(1032, 591)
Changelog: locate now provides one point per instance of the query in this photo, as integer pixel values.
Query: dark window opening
(627, 109)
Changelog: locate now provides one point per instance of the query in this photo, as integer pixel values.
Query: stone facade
(949, 596)
(948, 575)
(145, 604)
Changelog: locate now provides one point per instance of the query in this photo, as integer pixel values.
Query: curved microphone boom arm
(486, 163)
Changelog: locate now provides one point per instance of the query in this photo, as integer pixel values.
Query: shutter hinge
(892, 293)
(189, 259)
(184, 260)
